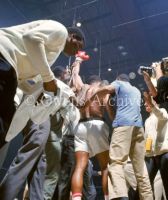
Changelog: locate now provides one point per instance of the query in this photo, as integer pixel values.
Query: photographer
(162, 80)
(161, 93)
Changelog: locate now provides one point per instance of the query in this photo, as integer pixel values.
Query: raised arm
(151, 88)
(77, 82)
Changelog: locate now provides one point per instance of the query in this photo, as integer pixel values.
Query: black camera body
(149, 70)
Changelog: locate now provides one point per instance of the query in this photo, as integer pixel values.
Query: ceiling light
(132, 75)
(95, 49)
(109, 69)
(120, 47)
(124, 53)
(78, 24)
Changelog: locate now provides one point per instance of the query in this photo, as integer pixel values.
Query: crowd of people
(63, 121)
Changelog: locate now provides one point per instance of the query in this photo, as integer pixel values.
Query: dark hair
(78, 32)
(123, 77)
(104, 82)
(93, 79)
(58, 71)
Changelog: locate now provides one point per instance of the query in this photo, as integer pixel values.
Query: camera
(149, 70)
(164, 65)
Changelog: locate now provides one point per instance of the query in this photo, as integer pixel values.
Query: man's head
(104, 82)
(61, 73)
(123, 77)
(94, 79)
(75, 41)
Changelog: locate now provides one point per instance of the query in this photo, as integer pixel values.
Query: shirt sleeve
(47, 36)
(161, 113)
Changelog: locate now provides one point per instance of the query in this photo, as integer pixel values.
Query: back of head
(104, 82)
(123, 77)
(94, 79)
(79, 34)
(59, 71)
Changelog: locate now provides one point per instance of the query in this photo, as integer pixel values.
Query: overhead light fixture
(132, 75)
(109, 69)
(120, 47)
(78, 24)
(124, 53)
(95, 49)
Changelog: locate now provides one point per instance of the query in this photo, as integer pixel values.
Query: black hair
(104, 82)
(58, 71)
(123, 77)
(93, 79)
(78, 32)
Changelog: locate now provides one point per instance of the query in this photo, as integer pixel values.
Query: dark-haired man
(27, 52)
(127, 140)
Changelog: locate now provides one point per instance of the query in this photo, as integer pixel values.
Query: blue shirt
(128, 103)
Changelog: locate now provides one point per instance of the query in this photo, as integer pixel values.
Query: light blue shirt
(128, 103)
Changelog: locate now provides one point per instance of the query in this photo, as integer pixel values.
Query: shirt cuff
(48, 78)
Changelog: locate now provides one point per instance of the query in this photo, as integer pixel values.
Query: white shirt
(156, 127)
(32, 48)
(43, 110)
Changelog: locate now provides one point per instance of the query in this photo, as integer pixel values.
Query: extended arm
(109, 107)
(151, 88)
(77, 82)
(100, 93)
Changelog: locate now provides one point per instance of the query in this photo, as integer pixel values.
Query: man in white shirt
(27, 52)
(156, 130)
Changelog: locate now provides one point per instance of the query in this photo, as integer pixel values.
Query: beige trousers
(128, 141)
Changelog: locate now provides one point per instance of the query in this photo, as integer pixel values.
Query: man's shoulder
(85, 87)
(50, 24)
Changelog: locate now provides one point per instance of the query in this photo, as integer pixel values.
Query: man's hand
(146, 77)
(50, 86)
